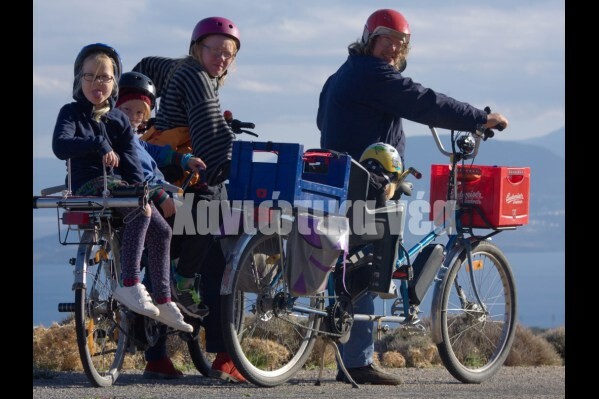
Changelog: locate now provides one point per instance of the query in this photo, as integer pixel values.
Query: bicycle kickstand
(328, 340)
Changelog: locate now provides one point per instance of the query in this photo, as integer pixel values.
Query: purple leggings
(155, 232)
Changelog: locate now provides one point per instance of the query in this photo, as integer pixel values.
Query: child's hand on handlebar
(195, 163)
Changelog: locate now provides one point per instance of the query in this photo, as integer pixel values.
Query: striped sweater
(189, 98)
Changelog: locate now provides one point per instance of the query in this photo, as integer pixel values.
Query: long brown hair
(360, 48)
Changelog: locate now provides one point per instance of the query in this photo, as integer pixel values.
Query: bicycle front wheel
(477, 335)
(102, 345)
(266, 335)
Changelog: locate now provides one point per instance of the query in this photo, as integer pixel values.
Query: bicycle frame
(456, 244)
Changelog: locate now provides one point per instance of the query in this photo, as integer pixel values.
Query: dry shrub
(134, 361)
(417, 349)
(393, 359)
(265, 353)
(55, 348)
(531, 350)
(316, 356)
(557, 338)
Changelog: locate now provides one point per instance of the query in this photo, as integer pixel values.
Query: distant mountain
(48, 172)
(554, 141)
(545, 232)
(48, 250)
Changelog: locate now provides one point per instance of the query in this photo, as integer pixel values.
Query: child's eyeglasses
(90, 77)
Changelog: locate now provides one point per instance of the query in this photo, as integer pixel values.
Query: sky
(509, 55)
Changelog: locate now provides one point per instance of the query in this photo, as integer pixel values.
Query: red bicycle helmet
(215, 26)
(386, 22)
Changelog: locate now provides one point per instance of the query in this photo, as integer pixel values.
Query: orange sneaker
(162, 369)
(223, 368)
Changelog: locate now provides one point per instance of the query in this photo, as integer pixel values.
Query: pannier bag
(315, 243)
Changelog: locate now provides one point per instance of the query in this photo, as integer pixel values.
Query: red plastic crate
(501, 192)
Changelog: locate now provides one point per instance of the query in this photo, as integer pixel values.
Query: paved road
(510, 382)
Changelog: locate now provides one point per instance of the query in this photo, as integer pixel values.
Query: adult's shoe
(223, 368)
(369, 375)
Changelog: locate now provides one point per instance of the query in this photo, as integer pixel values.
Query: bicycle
(106, 330)
(474, 300)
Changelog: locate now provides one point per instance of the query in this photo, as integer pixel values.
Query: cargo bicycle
(106, 330)
(270, 326)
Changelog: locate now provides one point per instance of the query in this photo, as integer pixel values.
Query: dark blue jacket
(363, 103)
(78, 137)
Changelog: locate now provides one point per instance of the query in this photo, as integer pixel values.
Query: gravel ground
(509, 382)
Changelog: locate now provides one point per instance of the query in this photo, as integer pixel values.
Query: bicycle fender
(232, 254)
(451, 257)
(83, 256)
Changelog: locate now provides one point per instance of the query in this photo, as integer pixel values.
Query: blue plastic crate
(325, 181)
(262, 171)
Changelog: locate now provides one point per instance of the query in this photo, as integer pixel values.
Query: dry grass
(557, 338)
(55, 349)
(532, 350)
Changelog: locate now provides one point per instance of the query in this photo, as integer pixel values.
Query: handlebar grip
(238, 125)
(415, 173)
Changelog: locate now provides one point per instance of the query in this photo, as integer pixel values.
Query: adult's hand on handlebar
(195, 163)
(168, 207)
(496, 121)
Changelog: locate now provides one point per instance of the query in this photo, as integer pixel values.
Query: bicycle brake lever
(247, 132)
(188, 180)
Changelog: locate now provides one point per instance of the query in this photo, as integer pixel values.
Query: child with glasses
(94, 136)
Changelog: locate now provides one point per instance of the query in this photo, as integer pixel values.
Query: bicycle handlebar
(238, 126)
(483, 134)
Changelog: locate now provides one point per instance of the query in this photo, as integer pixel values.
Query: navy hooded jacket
(363, 103)
(78, 137)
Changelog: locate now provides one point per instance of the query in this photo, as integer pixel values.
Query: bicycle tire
(475, 342)
(201, 359)
(267, 344)
(102, 345)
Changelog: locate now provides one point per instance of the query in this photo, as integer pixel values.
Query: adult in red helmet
(190, 119)
(363, 103)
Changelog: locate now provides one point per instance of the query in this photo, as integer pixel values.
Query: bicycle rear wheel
(201, 359)
(268, 341)
(102, 345)
(477, 337)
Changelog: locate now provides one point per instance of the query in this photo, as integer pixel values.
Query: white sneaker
(172, 317)
(137, 299)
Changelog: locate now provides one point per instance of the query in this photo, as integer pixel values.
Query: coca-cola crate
(502, 193)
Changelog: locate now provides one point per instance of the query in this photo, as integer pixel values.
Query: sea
(540, 284)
